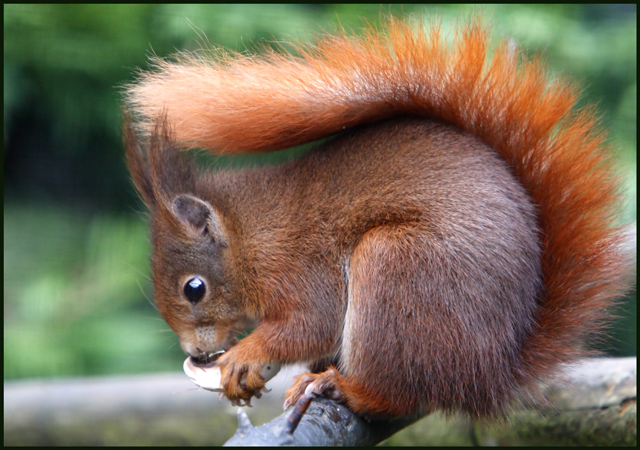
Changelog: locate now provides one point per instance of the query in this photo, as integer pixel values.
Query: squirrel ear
(157, 168)
(199, 216)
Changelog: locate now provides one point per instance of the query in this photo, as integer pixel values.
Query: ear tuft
(138, 165)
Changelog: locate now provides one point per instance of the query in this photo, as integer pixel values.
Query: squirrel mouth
(206, 359)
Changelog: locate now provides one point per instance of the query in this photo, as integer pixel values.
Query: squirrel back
(235, 103)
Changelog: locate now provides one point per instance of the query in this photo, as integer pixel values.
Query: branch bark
(593, 402)
(325, 423)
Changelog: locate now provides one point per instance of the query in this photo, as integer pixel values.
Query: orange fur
(235, 103)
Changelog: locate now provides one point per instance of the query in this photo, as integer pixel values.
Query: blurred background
(77, 294)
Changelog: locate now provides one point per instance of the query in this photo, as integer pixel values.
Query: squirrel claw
(315, 384)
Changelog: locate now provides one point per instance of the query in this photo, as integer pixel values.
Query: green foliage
(72, 291)
(75, 280)
(64, 65)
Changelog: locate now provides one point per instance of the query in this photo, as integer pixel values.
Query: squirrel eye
(195, 289)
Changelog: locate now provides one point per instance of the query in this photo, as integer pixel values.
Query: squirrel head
(193, 274)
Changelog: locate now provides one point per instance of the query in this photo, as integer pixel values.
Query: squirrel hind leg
(366, 379)
(416, 336)
(327, 383)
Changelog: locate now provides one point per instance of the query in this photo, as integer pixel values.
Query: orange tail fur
(234, 103)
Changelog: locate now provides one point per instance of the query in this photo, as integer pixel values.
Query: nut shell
(209, 377)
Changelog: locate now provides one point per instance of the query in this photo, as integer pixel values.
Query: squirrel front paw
(326, 383)
(241, 380)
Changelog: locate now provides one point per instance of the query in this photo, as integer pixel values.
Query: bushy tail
(233, 103)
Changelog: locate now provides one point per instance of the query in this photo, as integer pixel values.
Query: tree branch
(598, 396)
(325, 423)
(593, 402)
(590, 403)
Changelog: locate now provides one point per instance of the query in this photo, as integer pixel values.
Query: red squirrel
(451, 244)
